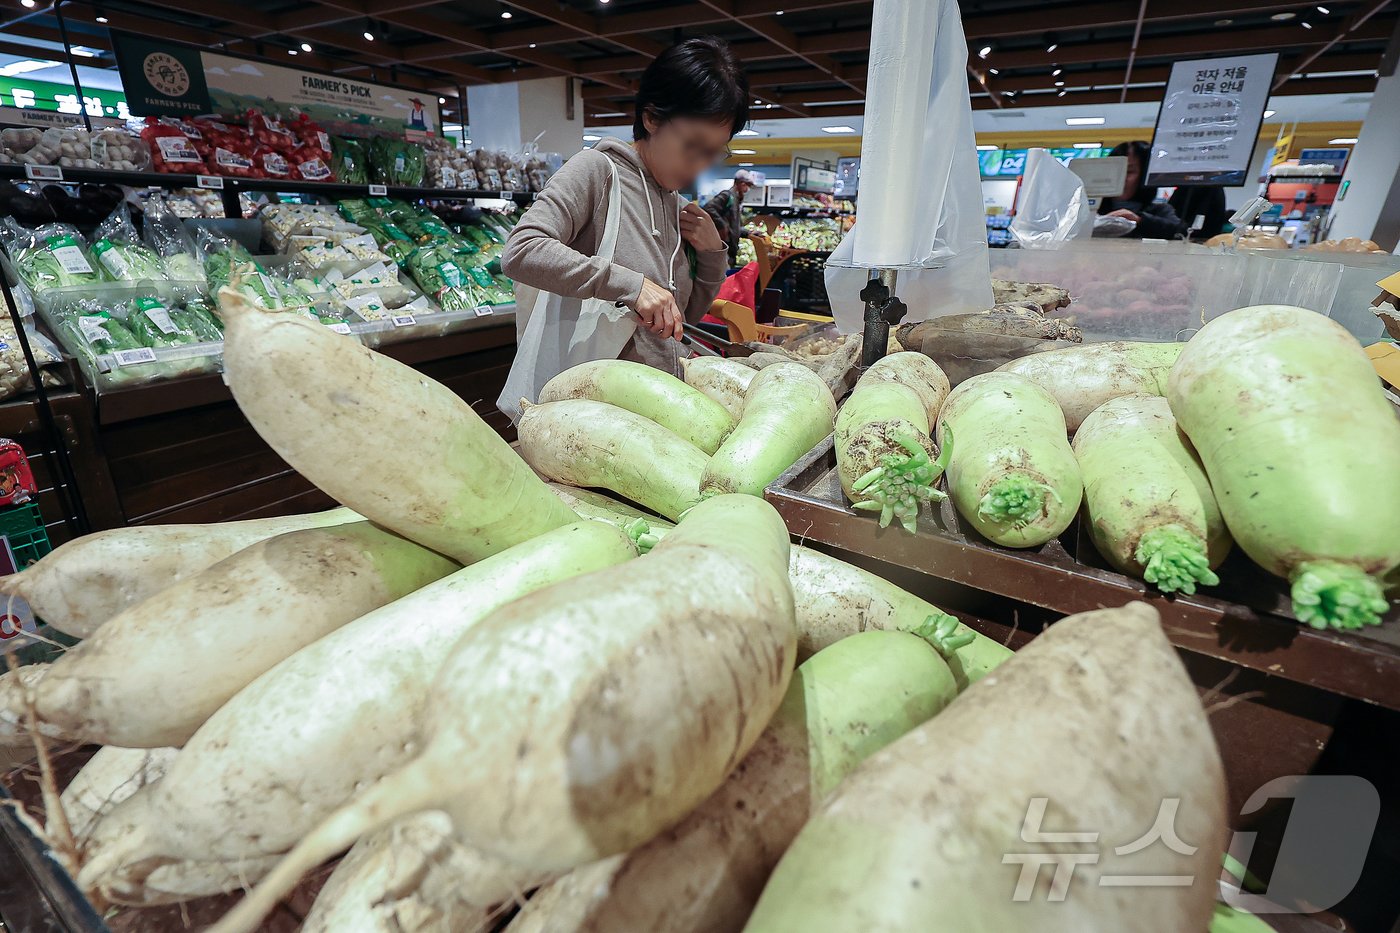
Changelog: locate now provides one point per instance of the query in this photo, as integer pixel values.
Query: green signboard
(1009, 163)
(161, 78)
(17, 94)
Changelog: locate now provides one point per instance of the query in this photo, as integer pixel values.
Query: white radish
(1094, 729)
(110, 776)
(1083, 378)
(646, 391)
(788, 409)
(328, 721)
(380, 437)
(621, 700)
(594, 444)
(218, 631)
(83, 583)
(721, 379)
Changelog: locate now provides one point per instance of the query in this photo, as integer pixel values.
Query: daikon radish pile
(621, 700)
(1097, 718)
(884, 455)
(83, 583)
(1302, 449)
(642, 390)
(594, 444)
(110, 776)
(723, 380)
(843, 704)
(1012, 475)
(378, 436)
(328, 721)
(218, 631)
(1083, 378)
(1150, 507)
(787, 410)
(413, 876)
(833, 599)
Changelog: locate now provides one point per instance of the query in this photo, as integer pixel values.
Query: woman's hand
(698, 229)
(656, 307)
(1125, 214)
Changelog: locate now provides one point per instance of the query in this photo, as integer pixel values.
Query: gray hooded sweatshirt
(554, 247)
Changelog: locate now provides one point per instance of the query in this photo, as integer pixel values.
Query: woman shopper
(1138, 203)
(613, 259)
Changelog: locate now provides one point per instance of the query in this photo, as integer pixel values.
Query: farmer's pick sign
(165, 78)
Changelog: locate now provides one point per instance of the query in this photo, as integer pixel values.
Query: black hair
(1141, 153)
(695, 78)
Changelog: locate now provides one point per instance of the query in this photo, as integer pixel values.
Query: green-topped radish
(1149, 506)
(1093, 729)
(1012, 475)
(593, 444)
(787, 410)
(646, 391)
(705, 874)
(884, 455)
(1083, 378)
(82, 584)
(402, 450)
(1301, 446)
(621, 699)
(723, 380)
(218, 631)
(328, 721)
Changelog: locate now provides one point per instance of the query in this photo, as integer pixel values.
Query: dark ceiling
(806, 57)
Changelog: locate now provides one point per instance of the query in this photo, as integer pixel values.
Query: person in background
(669, 261)
(1204, 201)
(1138, 203)
(726, 210)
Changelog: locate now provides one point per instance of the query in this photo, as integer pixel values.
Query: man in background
(726, 209)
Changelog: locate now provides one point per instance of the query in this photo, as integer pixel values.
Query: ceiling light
(1088, 145)
(306, 46)
(1282, 17)
(1342, 141)
(1084, 121)
(589, 137)
(779, 13)
(27, 4)
(83, 51)
(1056, 72)
(1269, 113)
(747, 133)
(1052, 46)
(1059, 84)
(984, 51)
(442, 100)
(102, 19)
(988, 148)
(291, 51)
(369, 36)
(838, 129)
(745, 164)
(19, 68)
(1224, 22)
(616, 113)
(1323, 10)
(506, 14)
(1062, 93)
(994, 71)
(1305, 24)
(744, 151)
(534, 45)
(603, 1)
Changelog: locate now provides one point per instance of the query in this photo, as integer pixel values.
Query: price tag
(404, 320)
(43, 172)
(133, 357)
(341, 328)
(378, 191)
(507, 195)
(211, 182)
(483, 310)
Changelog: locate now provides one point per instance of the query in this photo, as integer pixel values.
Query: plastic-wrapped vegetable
(53, 256)
(226, 262)
(349, 161)
(155, 325)
(199, 317)
(120, 151)
(121, 254)
(90, 330)
(436, 271)
(396, 161)
(166, 233)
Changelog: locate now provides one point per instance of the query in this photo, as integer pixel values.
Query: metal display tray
(1246, 620)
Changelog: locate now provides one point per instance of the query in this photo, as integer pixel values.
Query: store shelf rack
(1247, 621)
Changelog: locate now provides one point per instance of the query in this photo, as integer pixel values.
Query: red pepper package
(231, 150)
(270, 133)
(311, 135)
(308, 163)
(272, 163)
(171, 149)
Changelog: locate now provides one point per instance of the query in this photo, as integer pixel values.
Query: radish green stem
(941, 631)
(903, 482)
(1174, 560)
(639, 530)
(1014, 499)
(1328, 594)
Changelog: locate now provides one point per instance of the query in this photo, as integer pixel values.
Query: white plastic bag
(920, 207)
(563, 332)
(1052, 208)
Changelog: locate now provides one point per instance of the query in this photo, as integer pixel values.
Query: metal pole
(879, 302)
(72, 65)
(462, 114)
(76, 514)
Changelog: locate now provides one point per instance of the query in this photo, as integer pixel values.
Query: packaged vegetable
(396, 162)
(270, 133)
(226, 262)
(53, 256)
(121, 254)
(120, 151)
(171, 149)
(152, 322)
(199, 317)
(166, 234)
(349, 161)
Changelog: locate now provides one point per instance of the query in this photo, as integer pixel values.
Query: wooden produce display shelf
(1246, 621)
